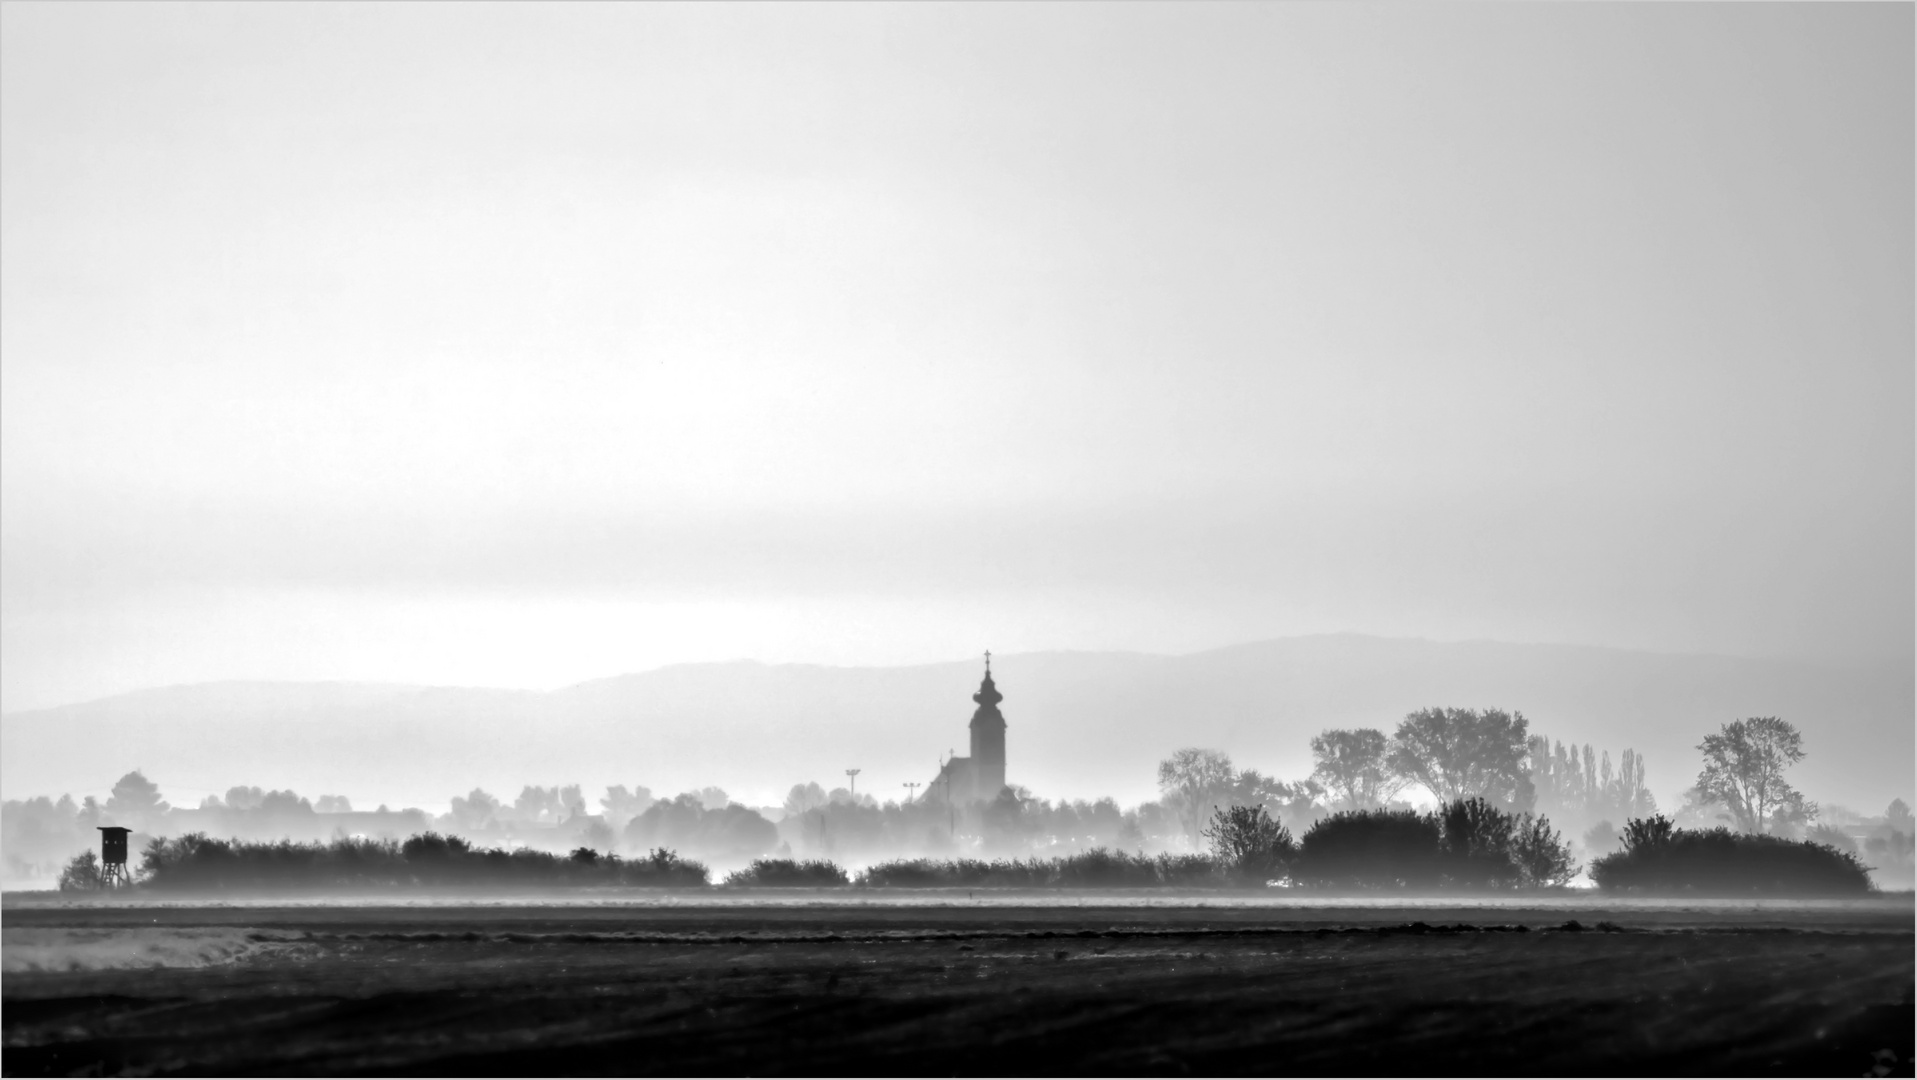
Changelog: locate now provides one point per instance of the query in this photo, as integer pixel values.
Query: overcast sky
(521, 345)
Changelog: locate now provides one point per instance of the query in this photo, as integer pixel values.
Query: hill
(1081, 724)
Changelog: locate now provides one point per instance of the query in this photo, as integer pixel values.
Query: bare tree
(1351, 766)
(1192, 781)
(1744, 765)
(1460, 753)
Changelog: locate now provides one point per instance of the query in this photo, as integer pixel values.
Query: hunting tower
(113, 873)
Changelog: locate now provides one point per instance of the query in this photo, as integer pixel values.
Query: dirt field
(810, 984)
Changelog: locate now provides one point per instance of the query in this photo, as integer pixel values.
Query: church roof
(988, 698)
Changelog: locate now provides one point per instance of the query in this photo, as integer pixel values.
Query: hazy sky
(520, 345)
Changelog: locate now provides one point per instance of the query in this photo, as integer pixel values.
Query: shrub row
(1659, 857)
(1465, 844)
(788, 872)
(197, 862)
(1097, 868)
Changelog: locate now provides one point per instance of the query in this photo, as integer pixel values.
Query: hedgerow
(1659, 857)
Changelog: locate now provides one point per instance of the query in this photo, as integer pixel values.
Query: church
(979, 777)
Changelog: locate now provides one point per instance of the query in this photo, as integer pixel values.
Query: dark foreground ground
(1100, 986)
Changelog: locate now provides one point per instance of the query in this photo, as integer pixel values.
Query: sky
(520, 345)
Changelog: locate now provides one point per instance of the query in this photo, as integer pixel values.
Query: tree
(598, 835)
(1248, 844)
(1601, 838)
(1294, 805)
(1007, 821)
(1542, 856)
(1744, 763)
(733, 833)
(621, 805)
(1631, 797)
(537, 805)
(804, 797)
(1193, 780)
(1478, 842)
(82, 874)
(244, 798)
(1459, 753)
(1898, 816)
(1577, 785)
(1351, 766)
(475, 811)
(135, 801)
(283, 804)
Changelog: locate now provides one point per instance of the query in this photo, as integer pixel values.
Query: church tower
(988, 739)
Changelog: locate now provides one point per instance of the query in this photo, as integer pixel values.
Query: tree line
(1453, 755)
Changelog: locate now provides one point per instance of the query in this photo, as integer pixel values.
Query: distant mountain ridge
(1082, 724)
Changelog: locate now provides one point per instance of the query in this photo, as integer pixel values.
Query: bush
(82, 874)
(1186, 871)
(1543, 858)
(1370, 849)
(1467, 843)
(661, 868)
(1247, 846)
(1101, 868)
(1660, 857)
(1476, 842)
(1097, 868)
(767, 872)
(958, 873)
(1486, 847)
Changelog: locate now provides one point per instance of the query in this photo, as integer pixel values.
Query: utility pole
(853, 774)
(911, 788)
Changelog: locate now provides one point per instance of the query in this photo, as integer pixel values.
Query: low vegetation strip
(1095, 869)
(1466, 845)
(775, 873)
(510, 937)
(196, 863)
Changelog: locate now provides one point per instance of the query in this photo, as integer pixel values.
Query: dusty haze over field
(521, 346)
